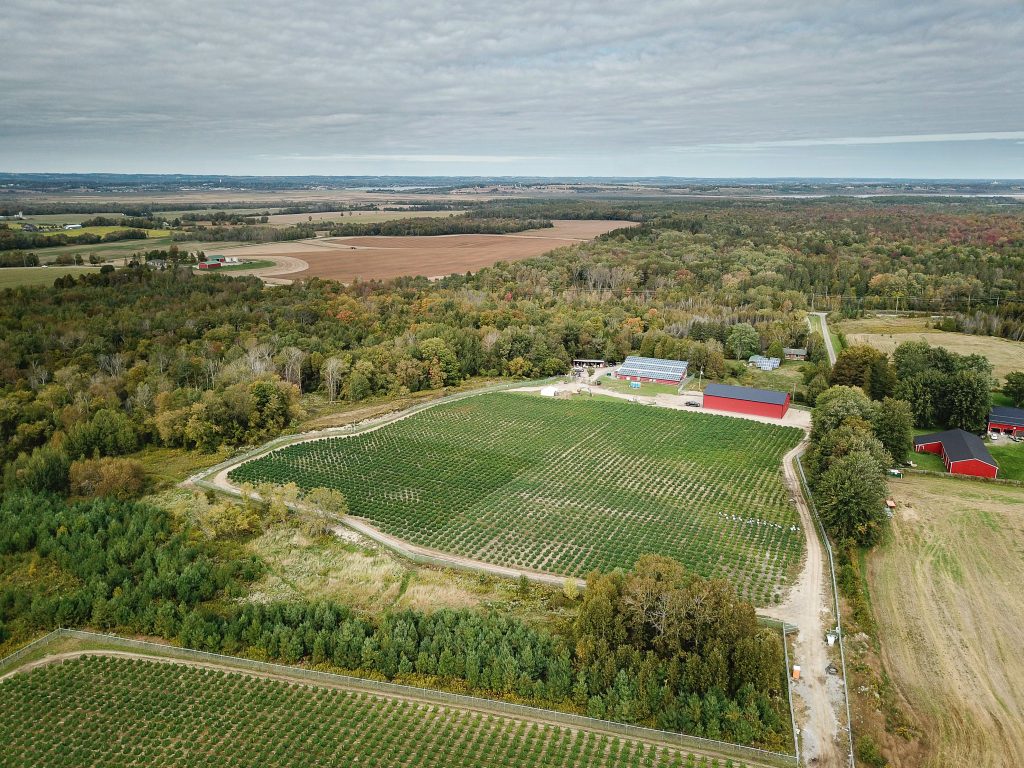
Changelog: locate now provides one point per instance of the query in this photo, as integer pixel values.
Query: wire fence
(14, 659)
(443, 698)
(835, 596)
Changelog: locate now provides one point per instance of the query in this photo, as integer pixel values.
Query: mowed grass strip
(567, 487)
(15, 277)
(128, 712)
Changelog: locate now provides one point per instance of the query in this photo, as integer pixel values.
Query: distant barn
(757, 402)
(961, 452)
(1009, 421)
(652, 369)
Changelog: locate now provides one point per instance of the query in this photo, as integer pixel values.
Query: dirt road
(828, 336)
(285, 265)
(808, 608)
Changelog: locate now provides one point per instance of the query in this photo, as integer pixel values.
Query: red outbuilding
(961, 452)
(1009, 421)
(758, 402)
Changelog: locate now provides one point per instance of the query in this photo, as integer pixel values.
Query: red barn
(758, 402)
(961, 452)
(1009, 421)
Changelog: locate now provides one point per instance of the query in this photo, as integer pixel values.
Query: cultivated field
(367, 258)
(886, 333)
(946, 593)
(567, 487)
(98, 231)
(129, 712)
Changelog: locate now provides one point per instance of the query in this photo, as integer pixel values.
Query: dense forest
(205, 361)
(437, 225)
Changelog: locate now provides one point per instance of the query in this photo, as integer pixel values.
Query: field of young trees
(126, 712)
(567, 488)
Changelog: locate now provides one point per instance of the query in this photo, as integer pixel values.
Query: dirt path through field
(480, 705)
(827, 336)
(285, 265)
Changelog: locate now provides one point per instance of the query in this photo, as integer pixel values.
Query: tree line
(438, 225)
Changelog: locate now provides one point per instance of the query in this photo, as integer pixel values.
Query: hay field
(886, 333)
(946, 593)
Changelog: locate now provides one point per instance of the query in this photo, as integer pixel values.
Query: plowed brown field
(369, 258)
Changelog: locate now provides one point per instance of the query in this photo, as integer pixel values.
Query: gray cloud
(732, 87)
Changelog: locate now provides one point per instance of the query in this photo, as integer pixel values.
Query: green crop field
(12, 277)
(126, 712)
(567, 487)
(255, 264)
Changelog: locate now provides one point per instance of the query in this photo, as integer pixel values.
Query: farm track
(827, 336)
(480, 706)
(807, 608)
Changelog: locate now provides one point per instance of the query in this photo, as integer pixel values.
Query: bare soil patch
(946, 595)
(380, 258)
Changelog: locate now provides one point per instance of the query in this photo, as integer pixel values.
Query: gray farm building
(652, 369)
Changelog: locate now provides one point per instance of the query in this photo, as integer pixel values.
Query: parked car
(692, 404)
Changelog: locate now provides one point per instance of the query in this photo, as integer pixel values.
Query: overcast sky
(933, 88)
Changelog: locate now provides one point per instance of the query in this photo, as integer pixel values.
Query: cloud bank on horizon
(669, 87)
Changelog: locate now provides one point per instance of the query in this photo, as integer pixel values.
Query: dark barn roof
(958, 445)
(750, 394)
(1002, 414)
